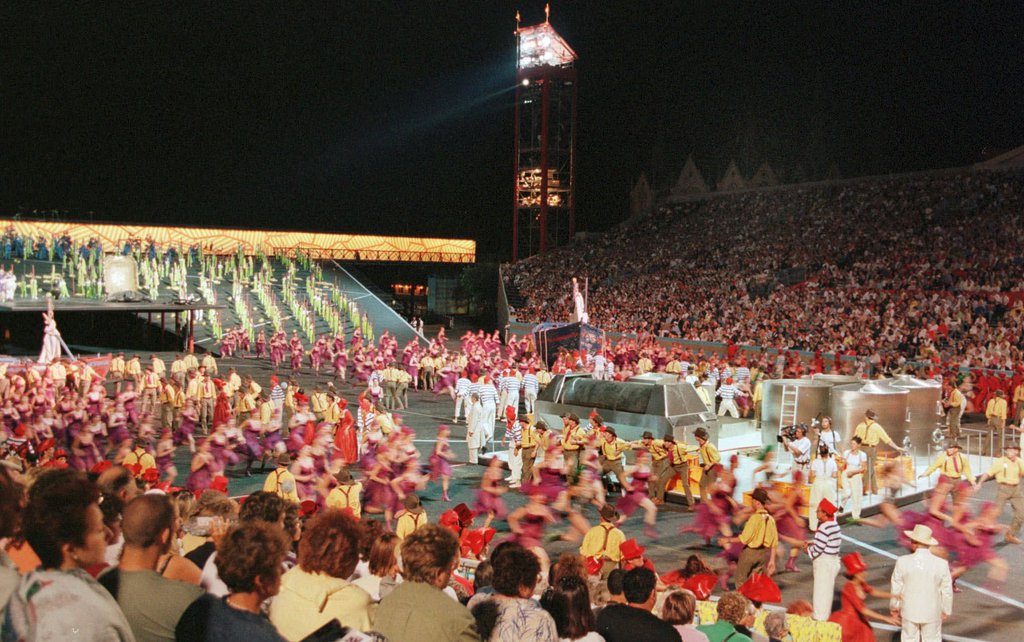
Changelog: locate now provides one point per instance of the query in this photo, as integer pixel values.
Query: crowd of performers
(321, 452)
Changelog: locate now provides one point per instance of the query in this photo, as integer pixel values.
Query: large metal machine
(908, 408)
(545, 141)
(659, 403)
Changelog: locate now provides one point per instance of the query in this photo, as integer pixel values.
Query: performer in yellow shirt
(410, 518)
(1007, 471)
(600, 546)
(346, 495)
(995, 414)
(709, 463)
(953, 467)
(760, 537)
(281, 481)
(871, 433)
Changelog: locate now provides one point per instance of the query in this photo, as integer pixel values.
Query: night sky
(397, 117)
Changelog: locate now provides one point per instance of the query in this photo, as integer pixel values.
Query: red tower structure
(545, 140)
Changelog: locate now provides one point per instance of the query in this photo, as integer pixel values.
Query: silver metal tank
(924, 410)
(837, 379)
(851, 401)
(812, 400)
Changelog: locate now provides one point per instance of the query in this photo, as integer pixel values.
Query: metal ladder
(787, 412)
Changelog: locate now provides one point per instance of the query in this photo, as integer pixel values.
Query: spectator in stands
(418, 609)
(249, 558)
(621, 622)
(63, 524)
(259, 507)
(776, 626)
(10, 514)
(382, 566)
(519, 617)
(678, 610)
(149, 526)
(317, 590)
(732, 610)
(568, 601)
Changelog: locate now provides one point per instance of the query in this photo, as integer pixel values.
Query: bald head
(145, 519)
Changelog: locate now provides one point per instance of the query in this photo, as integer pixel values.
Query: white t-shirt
(824, 468)
(831, 439)
(856, 460)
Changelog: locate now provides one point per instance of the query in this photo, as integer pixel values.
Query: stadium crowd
(918, 268)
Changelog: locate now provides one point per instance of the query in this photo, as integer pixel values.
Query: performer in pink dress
(440, 461)
(488, 498)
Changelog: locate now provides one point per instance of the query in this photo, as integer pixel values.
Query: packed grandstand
(920, 267)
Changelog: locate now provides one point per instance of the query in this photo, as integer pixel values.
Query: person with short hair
(678, 610)
(63, 524)
(856, 461)
(249, 559)
(732, 610)
(149, 525)
(516, 573)
(418, 609)
(624, 622)
(10, 513)
(317, 590)
(776, 626)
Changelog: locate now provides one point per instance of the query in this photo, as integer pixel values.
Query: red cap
(828, 507)
(220, 483)
(854, 563)
(631, 550)
(761, 588)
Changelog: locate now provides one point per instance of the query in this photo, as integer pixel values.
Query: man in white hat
(922, 589)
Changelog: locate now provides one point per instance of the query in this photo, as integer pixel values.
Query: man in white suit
(922, 589)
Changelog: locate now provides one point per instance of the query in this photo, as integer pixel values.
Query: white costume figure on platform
(51, 337)
(579, 304)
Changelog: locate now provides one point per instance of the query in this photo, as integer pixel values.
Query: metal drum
(837, 379)
(812, 400)
(924, 410)
(851, 401)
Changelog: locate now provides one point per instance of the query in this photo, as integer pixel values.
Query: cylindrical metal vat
(812, 399)
(924, 410)
(851, 401)
(837, 379)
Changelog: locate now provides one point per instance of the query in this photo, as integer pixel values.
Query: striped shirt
(277, 393)
(462, 386)
(513, 433)
(487, 393)
(530, 383)
(727, 391)
(826, 540)
(742, 373)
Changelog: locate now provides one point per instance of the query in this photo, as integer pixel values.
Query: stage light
(526, 82)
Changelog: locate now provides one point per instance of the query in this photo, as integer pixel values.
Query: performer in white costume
(51, 336)
(579, 303)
